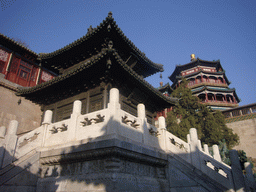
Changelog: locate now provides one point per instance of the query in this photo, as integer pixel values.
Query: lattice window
(64, 112)
(33, 74)
(14, 65)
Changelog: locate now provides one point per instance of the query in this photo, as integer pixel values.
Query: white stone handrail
(130, 120)
(93, 118)
(152, 130)
(57, 133)
(29, 141)
(114, 121)
(176, 142)
(215, 165)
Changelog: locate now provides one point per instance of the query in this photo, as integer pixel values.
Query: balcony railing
(193, 84)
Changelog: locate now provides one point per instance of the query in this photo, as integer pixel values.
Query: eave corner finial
(110, 14)
(193, 57)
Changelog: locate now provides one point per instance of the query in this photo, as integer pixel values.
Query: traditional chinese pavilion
(97, 131)
(89, 67)
(208, 82)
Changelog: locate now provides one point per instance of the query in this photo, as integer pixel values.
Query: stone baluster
(47, 117)
(114, 112)
(188, 138)
(206, 149)
(199, 145)
(216, 153)
(162, 132)
(46, 122)
(2, 132)
(194, 148)
(10, 143)
(141, 113)
(249, 175)
(2, 136)
(237, 173)
(73, 123)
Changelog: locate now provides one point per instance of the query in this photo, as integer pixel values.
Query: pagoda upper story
(208, 81)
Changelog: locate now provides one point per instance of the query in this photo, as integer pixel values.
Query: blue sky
(167, 31)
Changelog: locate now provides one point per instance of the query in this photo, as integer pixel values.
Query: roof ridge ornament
(110, 14)
(89, 30)
(193, 57)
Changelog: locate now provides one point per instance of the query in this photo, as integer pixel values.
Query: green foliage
(224, 152)
(189, 112)
(242, 157)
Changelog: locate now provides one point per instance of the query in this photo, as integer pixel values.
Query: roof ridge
(18, 44)
(92, 31)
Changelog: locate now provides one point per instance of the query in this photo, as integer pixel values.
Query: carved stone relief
(103, 166)
(27, 140)
(57, 129)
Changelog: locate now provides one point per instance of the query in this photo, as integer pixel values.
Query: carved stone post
(188, 138)
(199, 145)
(10, 143)
(206, 149)
(47, 121)
(216, 153)
(249, 175)
(194, 148)
(114, 112)
(2, 132)
(2, 136)
(77, 107)
(47, 117)
(237, 173)
(141, 113)
(162, 132)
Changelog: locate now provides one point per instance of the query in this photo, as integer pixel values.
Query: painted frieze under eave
(194, 63)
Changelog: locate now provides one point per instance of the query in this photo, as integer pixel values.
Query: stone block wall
(246, 130)
(25, 112)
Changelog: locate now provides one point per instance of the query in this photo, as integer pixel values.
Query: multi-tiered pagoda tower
(208, 82)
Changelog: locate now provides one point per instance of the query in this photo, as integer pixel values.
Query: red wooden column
(234, 99)
(206, 96)
(225, 98)
(215, 97)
